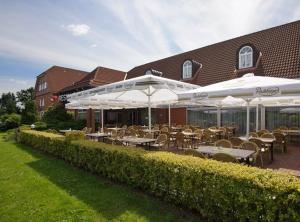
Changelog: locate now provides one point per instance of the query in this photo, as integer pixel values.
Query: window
(187, 69)
(81, 114)
(148, 72)
(245, 57)
(43, 86)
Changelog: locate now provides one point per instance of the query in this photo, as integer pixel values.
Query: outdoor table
(174, 128)
(65, 131)
(266, 141)
(237, 153)
(137, 141)
(218, 132)
(115, 128)
(151, 131)
(97, 136)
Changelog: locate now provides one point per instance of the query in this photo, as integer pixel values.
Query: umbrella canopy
(248, 87)
(144, 91)
(252, 89)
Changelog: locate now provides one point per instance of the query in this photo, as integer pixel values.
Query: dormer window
(245, 57)
(187, 69)
(153, 72)
(148, 72)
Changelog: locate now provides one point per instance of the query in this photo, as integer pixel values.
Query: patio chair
(161, 141)
(180, 140)
(248, 145)
(223, 143)
(261, 132)
(253, 134)
(188, 130)
(198, 137)
(280, 141)
(224, 157)
(194, 153)
(267, 135)
(262, 148)
(294, 137)
(236, 142)
(208, 137)
(121, 133)
(149, 135)
(164, 130)
(283, 128)
(117, 142)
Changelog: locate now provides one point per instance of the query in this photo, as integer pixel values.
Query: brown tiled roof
(59, 77)
(99, 76)
(279, 48)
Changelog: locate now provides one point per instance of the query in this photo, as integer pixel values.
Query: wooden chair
(262, 148)
(208, 137)
(267, 135)
(164, 130)
(280, 141)
(253, 134)
(188, 130)
(161, 141)
(117, 142)
(194, 153)
(236, 142)
(149, 135)
(248, 145)
(261, 132)
(223, 143)
(180, 140)
(224, 157)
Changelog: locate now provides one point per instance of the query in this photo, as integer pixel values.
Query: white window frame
(187, 69)
(245, 58)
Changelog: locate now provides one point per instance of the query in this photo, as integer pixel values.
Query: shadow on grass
(107, 198)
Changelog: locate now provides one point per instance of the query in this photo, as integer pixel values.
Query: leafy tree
(57, 117)
(8, 103)
(57, 113)
(25, 95)
(29, 113)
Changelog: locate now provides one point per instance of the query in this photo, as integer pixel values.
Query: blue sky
(120, 34)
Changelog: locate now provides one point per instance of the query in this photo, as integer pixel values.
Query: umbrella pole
(149, 109)
(102, 118)
(169, 115)
(257, 111)
(248, 120)
(219, 116)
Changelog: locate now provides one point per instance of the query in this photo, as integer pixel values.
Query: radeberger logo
(201, 95)
(267, 91)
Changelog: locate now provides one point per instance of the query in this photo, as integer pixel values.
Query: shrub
(10, 121)
(40, 126)
(74, 135)
(218, 191)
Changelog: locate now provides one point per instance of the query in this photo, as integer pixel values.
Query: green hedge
(218, 191)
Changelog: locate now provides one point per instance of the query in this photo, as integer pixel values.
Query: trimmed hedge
(218, 191)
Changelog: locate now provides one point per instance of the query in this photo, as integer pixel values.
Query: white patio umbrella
(251, 88)
(144, 91)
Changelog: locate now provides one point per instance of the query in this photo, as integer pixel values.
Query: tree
(26, 99)
(8, 103)
(29, 114)
(25, 95)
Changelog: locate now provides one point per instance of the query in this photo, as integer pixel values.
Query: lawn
(38, 187)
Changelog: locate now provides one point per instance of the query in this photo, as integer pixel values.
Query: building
(50, 82)
(271, 52)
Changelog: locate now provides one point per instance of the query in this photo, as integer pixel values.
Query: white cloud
(8, 84)
(129, 33)
(78, 29)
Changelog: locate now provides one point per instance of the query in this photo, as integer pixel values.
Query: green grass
(38, 187)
